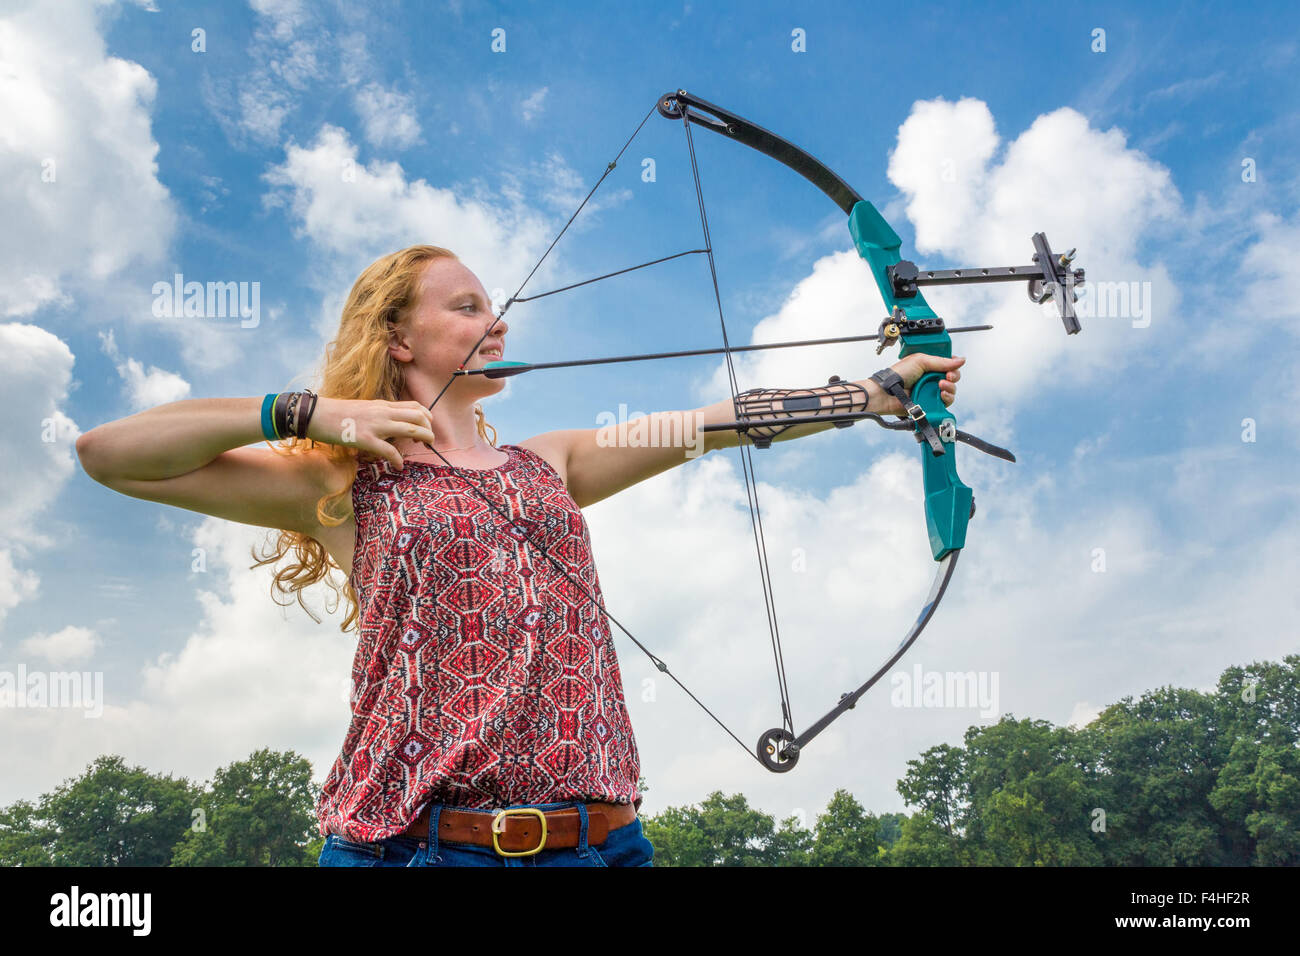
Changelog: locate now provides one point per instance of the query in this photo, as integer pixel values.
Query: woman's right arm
(198, 454)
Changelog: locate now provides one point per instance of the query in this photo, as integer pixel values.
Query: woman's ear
(398, 347)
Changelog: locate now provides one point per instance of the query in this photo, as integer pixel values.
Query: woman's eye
(470, 306)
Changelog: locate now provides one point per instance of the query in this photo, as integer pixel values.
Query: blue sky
(1145, 537)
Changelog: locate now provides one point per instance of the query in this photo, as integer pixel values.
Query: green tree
(1159, 759)
(1257, 792)
(846, 835)
(1031, 797)
(721, 831)
(922, 842)
(114, 815)
(257, 812)
(891, 828)
(25, 838)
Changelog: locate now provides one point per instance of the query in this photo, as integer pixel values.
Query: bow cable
(746, 451)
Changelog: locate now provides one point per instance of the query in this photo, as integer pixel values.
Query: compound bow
(911, 323)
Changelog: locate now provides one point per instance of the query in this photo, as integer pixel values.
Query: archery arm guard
(769, 406)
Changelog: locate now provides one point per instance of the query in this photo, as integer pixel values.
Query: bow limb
(779, 750)
(683, 105)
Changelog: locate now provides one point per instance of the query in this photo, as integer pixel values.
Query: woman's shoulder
(551, 448)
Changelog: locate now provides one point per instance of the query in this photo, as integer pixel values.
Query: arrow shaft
(650, 356)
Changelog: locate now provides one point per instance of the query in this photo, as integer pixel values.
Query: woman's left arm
(598, 462)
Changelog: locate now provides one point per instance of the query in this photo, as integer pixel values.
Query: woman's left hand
(913, 367)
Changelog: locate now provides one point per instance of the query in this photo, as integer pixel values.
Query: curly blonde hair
(357, 366)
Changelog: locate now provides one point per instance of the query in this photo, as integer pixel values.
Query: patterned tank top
(483, 677)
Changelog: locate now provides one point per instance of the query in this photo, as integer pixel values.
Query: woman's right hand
(370, 425)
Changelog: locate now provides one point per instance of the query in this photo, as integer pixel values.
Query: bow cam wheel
(777, 750)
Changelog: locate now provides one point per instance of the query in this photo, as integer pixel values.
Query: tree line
(1176, 777)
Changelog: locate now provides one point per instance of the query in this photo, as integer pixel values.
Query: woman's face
(452, 312)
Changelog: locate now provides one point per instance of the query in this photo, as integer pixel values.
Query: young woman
(489, 725)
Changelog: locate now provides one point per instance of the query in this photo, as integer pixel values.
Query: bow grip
(948, 501)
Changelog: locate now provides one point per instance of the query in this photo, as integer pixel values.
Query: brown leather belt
(523, 831)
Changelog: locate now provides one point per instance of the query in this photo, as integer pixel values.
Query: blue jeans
(626, 846)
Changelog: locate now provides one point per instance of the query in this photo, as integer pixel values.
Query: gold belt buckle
(498, 823)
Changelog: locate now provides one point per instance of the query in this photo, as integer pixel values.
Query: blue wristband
(268, 422)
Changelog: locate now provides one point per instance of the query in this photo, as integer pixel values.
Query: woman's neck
(455, 429)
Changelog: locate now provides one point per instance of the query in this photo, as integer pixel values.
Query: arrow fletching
(504, 369)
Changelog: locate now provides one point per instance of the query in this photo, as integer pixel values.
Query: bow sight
(1046, 276)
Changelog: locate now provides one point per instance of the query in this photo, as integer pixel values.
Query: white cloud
(263, 109)
(1269, 282)
(36, 450)
(283, 16)
(77, 160)
(294, 50)
(288, 49)
(532, 104)
(71, 645)
(16, 584)
(388, 117)
(986, 213)
(145, 389)
(353, 213)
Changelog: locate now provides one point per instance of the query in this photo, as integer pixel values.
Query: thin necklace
(476, 444)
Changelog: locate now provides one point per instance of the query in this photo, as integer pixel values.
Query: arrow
(507, 369)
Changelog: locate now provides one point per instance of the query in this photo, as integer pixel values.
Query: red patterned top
(483, 677)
